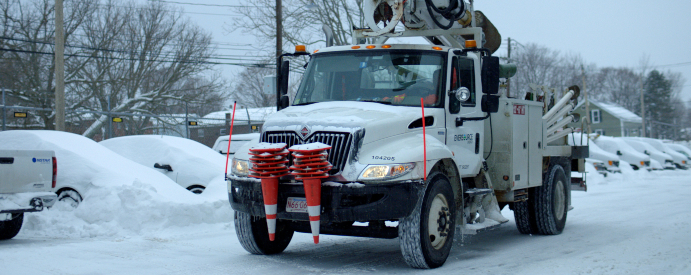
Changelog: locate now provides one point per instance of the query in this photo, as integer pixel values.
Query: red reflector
(55, 170)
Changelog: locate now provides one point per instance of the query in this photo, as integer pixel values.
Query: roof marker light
(355, 47)
(371, 46)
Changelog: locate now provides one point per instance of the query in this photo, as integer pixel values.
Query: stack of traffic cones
(269, 162)
(310, 165)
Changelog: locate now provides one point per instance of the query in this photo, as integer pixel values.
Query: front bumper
(26, 202)
(339, 202)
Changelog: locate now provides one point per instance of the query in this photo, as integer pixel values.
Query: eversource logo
(40, 160)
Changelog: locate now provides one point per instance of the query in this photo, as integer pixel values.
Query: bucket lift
(440, 22)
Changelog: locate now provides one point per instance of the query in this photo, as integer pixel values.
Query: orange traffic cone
(310, 165)
(268, 162)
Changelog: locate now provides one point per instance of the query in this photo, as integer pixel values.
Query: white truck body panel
(25, 175)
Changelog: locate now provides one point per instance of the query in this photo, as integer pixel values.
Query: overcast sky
(613, 33)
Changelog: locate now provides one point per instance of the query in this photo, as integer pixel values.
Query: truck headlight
(240, 167)
(386, 171)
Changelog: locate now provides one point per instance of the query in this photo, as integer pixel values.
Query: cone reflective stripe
(310, 165)
(268, 162)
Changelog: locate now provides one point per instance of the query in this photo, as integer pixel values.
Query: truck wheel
(197, 189)
(254, 236)
(551, 202)
(11, 227)
(525, 218)
(426, 236)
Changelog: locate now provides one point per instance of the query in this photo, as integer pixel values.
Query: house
(609, 119)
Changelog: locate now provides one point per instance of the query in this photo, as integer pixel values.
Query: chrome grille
(340, 144)
(616, 163)
(647, 163)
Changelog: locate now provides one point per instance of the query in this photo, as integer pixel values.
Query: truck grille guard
(340, 143)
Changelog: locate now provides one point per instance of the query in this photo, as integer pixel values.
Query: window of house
(200, 133)
(595, 116)
(600, 132)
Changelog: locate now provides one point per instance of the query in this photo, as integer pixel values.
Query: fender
(407, 149)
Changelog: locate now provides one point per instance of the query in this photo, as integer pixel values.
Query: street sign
(192, 123)
(19, 114)
(117, 119)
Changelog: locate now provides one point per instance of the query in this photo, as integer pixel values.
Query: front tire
(426, 236)
(197, 189)
(11, 227)
(254, 235)
(551, 202)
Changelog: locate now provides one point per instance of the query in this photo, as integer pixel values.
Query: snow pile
(121, 197)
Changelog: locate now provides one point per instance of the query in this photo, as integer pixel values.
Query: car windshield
(387, 77)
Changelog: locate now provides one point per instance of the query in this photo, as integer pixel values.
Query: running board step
(478, 191)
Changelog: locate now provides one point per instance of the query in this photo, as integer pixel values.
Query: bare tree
(159, 50)
(27, 45)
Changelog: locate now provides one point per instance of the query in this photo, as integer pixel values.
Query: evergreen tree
(658, 105)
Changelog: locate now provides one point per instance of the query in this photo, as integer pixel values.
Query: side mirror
(490, 103)
(619, 153)
(490, 75)
(282, 87)
(164, 167)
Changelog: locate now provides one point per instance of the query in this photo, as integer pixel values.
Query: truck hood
(377, 120)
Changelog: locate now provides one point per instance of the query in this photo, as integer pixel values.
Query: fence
(200, 129)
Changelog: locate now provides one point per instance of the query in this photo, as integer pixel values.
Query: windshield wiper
(377, 101)
(304, 103)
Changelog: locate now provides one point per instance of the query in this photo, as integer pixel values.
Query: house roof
(615, 110)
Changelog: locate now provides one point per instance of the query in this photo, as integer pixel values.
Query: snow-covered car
(237, 141)
(91, 172)
(682, 150)
(663, 159)
(625, 152)
(189, 163)
(680, 161)
(602, 160)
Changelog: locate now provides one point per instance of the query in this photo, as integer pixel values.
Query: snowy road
(636, 223)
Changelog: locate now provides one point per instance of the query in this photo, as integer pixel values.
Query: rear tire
(10, 228)
(426, 235)
(254, 236)
(524, 215)
(551, 202)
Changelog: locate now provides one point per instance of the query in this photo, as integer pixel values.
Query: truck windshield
(388, 77)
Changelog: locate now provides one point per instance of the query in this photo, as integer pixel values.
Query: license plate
(298, 205)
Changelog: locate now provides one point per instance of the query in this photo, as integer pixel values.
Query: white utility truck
(27, 183)
(394, 172)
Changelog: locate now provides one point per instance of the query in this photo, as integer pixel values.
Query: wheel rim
(438, 221)
(70, 197)
(559, 199)
(197, 190)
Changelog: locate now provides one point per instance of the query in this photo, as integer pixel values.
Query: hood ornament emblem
(304, 131)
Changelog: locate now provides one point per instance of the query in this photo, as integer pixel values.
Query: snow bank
(121, 197)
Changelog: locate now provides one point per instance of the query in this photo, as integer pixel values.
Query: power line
(148, 60)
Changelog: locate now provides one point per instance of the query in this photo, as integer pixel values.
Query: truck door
(464, 140)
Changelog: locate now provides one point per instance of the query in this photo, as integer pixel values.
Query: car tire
(70, 196)
(426, 235)
(11, 227)
(197, 189)
(254, 236)
(551, 202)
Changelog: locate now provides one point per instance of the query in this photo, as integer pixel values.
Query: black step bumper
(339, 202)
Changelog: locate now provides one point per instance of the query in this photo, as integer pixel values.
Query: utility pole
(59, 68)
(279, 28)
(587, 104)
(508, 80)
(640, 84)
